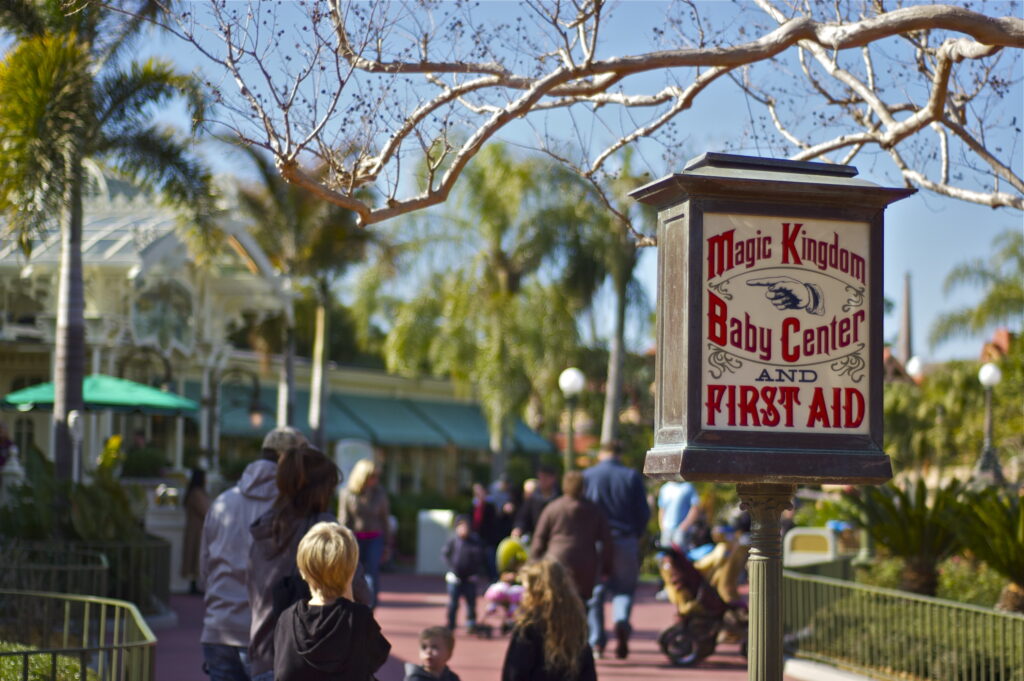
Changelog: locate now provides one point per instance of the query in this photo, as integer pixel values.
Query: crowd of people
(290, 588)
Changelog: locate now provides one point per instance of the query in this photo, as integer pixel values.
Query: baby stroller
(707, 604)
(504, 595)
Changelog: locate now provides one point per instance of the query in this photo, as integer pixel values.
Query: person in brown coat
(574, 531)
(197, 503)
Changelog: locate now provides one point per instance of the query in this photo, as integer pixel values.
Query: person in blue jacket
(619, 491)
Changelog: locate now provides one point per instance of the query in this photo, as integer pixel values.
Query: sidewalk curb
(805, 670)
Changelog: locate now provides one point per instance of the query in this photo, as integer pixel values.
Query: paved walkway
(411, 602)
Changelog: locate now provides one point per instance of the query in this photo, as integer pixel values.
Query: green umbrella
(100, 392)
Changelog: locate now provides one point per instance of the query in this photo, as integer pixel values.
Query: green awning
(236, 408)
(101, 393)
(530, 441)
(462, 424)
(388, 421)
(391, 421)
(465, 426)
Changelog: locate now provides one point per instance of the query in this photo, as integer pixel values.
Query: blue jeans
(265, 676)
(621, 586)
(225, 663)
(466, 589)
(370, 552)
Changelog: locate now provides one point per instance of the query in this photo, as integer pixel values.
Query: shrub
(146, 462)
(39, 666)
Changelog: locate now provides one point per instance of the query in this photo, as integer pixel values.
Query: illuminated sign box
(769, 364)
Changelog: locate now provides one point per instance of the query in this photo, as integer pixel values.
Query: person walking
(363, 508)
(197, 503)
(305, 481)
(533, 505)
(678, 510)
(224, 555)
(574, 531)
(463, 555)
(549, 640)
(485, 524)
(619, 491)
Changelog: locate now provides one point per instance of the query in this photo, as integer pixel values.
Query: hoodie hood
(326, 636)
(259, 481)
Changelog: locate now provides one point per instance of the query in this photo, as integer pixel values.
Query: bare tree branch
(364, 86)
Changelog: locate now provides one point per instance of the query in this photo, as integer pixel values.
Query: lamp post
(571, 383)
(987, 471)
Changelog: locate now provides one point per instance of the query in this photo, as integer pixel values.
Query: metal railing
(137, 570)
(62, 637)
(140, 570)
(32, 566)
(889, 634)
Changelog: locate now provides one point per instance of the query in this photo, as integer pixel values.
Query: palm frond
(158, 158)
(125, 96)
(991, 527)
(45, 105)
(22, 18)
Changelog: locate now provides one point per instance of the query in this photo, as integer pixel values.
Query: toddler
(436, 646)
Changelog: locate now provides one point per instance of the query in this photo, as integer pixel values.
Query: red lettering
(789, 396)
(789, 243)
(819, 411)
(717, 311)
(748, 406)
(769, 414)
(854, 408)
(790, 325)
(714, 403)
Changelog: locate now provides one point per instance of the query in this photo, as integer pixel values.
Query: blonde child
(330, 636)
(436, 646)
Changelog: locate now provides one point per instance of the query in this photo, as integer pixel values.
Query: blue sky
(926, 235)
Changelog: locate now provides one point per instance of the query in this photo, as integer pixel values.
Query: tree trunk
(316, 387)
(286, 386)
(919, 576)
(498, 458)
(1011, 599)
(616, 357)
(69, 350)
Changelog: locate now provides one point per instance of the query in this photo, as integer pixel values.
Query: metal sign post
(769, 344)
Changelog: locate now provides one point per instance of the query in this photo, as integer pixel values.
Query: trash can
(432, 529)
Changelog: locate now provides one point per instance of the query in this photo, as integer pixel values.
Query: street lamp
(987, 471)
(571, 383)
(915, 368)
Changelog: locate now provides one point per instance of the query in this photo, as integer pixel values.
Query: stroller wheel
(680, 648)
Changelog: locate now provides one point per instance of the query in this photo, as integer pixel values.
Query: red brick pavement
(411, 602)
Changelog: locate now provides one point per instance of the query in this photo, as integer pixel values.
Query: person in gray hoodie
(224, 555)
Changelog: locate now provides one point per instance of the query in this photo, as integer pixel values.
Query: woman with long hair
(549, 641)
(305, 483)
(363, 508)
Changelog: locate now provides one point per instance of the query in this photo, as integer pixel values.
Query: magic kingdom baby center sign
(769, 322)
(785, 324)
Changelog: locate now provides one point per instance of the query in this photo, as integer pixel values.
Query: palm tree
(1003, 279)
(67, 96)
(913, 525)
(991, 526)
(608, 249)
(487, 313)
(306, 239)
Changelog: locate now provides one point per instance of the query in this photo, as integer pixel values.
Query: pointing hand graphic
(786, 293)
